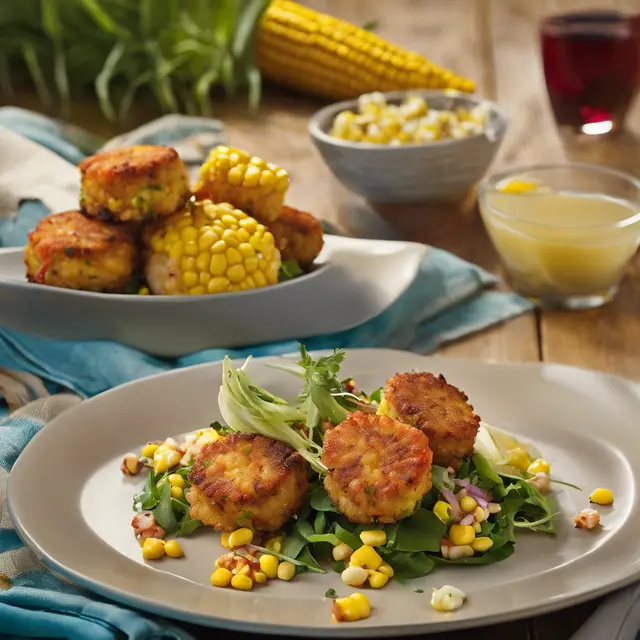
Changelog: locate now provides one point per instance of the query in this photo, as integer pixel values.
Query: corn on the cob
(331, 58)
(249, 183)
(209, 248)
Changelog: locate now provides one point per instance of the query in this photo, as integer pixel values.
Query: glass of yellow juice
(564, 233)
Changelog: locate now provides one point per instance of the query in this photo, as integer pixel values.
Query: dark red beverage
(592, 65)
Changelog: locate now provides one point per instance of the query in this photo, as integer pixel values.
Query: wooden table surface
(494, 42)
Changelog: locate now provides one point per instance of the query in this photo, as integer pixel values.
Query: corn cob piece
(331, 58)
(249, 183)
(209, 248)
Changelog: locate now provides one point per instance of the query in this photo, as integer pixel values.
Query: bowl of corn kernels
(409, 146)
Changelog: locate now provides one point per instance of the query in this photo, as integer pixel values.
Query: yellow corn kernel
(366, 557)
(387, 569)
(243, 583)
(153, 549)
(354, 576)
(165, 446)
(468, 504)
(460, 551)
(216, 253)
(461, 534)
(221, 577)
(243, 571)
(539, 466)
(519, 458)
(259, 577)
(176, 480)
(366, 62)
(602, 496)
(173, 549)
(481, 545)
(341, 551)
(286, 570)
(232, 175)
(240, 537)
(224, 540)
(377, 580)
(269, 566)
(149, 449)
(477, 527)
(442, 510)
(480, 514)
(352, 608)
(275, 544)
(177, 492)
(374, 538)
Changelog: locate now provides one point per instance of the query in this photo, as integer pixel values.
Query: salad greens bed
(413, 546)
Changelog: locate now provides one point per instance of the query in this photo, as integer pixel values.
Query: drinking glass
(566, 239)
(591, 61)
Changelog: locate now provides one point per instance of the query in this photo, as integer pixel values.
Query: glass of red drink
(591, 64)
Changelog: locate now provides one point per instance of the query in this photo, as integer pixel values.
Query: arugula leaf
(304, 528)
(488, 478)
(163, 512)
(346, 536)
(294, 543)
(309, 562)
(319, 522)
(441, 479)
(188, 525)
(289, 269)
(150, 495)
(423, 531)
(320, 501)
(312, 565)
(410, 565)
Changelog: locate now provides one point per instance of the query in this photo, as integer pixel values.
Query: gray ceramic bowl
(416, 172)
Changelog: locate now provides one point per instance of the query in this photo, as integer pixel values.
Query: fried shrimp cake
(298, 235)
(133, 183)
(437, 408)
(247, 480)
(74, 252)
(379, 468)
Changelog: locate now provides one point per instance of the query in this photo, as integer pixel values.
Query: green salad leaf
(290, 269)
(163, 511)
(423, 531)
(407, 566)
(248, 408)
(150, 495)
(320, 501)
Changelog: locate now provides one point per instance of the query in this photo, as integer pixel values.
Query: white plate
(584, 422)
(354, 281)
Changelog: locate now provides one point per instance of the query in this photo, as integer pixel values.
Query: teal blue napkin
(448, 299)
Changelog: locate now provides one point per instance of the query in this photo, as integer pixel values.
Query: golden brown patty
(71, 251)
(247, 480)
(379, 468)
(298, 235)
(133, 183)
(437, 408)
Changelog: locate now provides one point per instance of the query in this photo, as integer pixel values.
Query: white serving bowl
(417, 172)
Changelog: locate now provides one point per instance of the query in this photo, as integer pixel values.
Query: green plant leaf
(103, 79)
(423, 531)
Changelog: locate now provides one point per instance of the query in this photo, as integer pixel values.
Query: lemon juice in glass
(564, 233)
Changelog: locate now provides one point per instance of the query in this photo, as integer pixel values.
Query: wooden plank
(606, 338)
